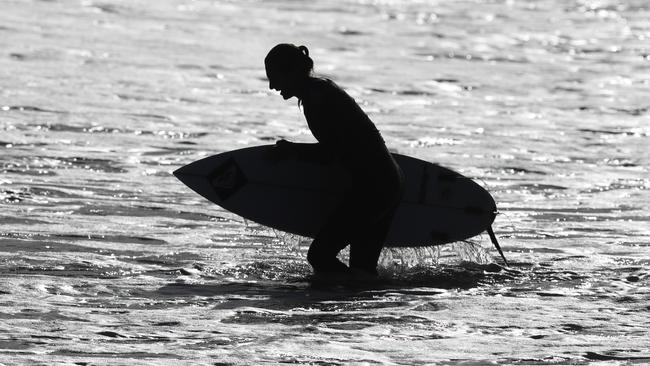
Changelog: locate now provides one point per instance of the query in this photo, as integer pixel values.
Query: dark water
(106, 259)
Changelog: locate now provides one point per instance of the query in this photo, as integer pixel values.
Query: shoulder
(320, 82)
(321, 89)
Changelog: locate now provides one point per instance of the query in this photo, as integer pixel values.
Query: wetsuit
(346, 136)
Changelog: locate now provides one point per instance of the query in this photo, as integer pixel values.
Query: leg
(363, 220)
(365, 250)
(332, 238)
(322, 256)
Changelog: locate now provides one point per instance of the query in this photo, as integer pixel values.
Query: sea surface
(107, 259)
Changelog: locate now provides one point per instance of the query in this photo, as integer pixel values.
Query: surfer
(347, 137)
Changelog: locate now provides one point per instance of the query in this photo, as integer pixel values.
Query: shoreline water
(106, 259)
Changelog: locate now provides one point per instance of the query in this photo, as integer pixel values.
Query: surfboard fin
(493, 238)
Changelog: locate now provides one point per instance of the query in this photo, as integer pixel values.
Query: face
(281, 82)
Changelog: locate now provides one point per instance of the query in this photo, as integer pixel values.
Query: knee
(313, 256)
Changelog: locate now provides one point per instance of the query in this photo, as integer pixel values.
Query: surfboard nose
(178, 173)
(184, 174)
(190, 180)
(214, 179)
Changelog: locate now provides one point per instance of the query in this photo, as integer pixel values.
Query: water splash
(394, 259)
(295, 243)
(472, 251)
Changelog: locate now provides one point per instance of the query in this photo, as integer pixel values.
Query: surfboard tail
(493, 238)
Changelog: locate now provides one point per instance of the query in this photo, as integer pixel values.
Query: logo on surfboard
(227, 179)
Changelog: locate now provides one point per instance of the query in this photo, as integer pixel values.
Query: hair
(287, 57)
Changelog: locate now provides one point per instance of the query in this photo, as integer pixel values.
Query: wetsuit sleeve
(313, 151)
(323, 115)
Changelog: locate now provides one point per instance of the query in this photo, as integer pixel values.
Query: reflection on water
(107, 259)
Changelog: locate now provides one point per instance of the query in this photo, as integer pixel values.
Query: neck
(302, 86)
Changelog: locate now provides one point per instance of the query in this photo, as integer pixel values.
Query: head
(287, 67)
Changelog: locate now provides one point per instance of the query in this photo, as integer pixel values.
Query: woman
(346, 136)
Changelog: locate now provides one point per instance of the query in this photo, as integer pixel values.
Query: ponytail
(308, 63)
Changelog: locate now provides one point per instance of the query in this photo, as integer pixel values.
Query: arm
(307, 151)
(326, 111)
(323, 112)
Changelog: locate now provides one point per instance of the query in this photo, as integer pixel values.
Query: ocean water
(107, 259)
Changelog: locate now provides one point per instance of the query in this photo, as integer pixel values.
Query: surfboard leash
(493, 238)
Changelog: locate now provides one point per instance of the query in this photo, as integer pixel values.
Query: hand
(285, 148)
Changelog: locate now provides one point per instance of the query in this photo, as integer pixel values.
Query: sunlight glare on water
(106, 258)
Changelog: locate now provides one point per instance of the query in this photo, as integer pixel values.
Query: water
(105, 258)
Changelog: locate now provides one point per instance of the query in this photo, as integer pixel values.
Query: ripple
(618, 355)
(78, 162)
(85, 237)
(28, 108)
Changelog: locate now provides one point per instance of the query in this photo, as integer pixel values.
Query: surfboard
(439, 205)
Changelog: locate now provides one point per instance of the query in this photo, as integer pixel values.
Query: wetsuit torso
(346, 134)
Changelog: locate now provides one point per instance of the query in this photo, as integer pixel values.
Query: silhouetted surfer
(346, 136)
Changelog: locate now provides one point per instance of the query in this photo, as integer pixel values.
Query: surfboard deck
(439, 205)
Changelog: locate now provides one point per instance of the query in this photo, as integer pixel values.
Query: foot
(332, 278)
